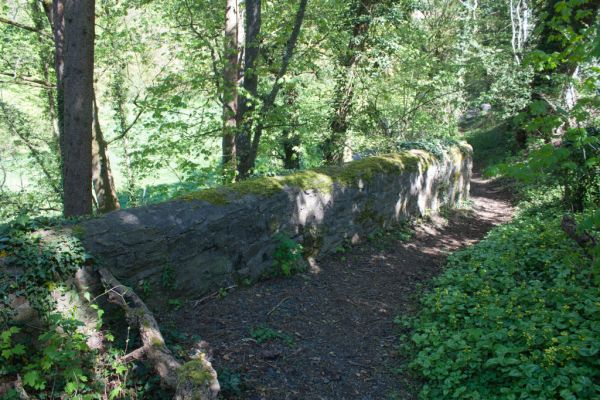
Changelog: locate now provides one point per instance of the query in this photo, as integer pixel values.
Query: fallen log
(194, 379)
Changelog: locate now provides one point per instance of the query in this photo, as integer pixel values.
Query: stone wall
(215, 237)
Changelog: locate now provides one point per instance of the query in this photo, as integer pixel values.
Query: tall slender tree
(249, 140)
(102, 179)
(336, 144)
(248, 100)
(230, 88)
(78, 87)
(54, 10)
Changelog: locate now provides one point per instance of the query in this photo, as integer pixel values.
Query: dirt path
(337, 336)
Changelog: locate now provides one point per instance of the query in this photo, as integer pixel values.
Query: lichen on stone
(368, 215)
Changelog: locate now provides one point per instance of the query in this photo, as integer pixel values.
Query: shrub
(287, 257)
(437, 147)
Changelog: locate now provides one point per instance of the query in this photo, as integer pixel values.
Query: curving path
(340, 340)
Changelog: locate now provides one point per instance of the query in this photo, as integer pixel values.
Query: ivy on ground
(54, 359)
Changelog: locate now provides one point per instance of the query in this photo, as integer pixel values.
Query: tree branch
(34, 152)
(24, 27)
(128, 128)
(41, 82)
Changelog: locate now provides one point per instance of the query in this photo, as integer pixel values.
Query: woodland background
(152, 100)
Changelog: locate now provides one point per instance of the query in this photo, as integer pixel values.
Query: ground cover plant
(515, 316)
(46, 349)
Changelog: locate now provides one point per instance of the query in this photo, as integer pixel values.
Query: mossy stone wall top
(322, 179)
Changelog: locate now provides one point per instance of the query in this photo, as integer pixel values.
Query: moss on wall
(322, 179)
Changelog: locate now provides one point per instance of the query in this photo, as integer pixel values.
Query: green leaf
(538, 107)
(34, 379)
(115, 392)
(18, 350)
(71, 387)
(588, 351)
(567, 395)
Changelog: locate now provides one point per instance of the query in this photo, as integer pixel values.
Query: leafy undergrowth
(47, 349)
(516, 316)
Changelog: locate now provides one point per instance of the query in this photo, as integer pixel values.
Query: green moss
(145, 324)
(262, 186)
(268, 186)
(217, 196)
(368, 215)
(320, 179)
(465, 148)
(313, 241)
(194, 372)
(311, 179)
(273, 225)
(457, 154)
(352, 173)
(78, 231)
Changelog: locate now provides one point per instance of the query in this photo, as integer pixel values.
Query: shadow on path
(339, 320)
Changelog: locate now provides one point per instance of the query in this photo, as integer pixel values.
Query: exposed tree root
(15, 384)
(195, 379)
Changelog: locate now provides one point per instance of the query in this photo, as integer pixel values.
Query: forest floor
(331, 334)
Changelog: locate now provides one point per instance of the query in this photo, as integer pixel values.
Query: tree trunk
(45, 54)
(230, 92)
(336, 144)
(194, 380)
(290, 140)
(102, 180)
(252, 137)
(119, 95)
(54, 10)
(543, 88)
(77, 82)
(247, 101)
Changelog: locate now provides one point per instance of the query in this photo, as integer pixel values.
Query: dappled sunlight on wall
(218, 236)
